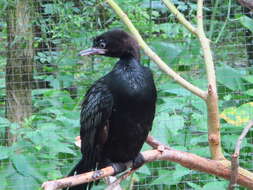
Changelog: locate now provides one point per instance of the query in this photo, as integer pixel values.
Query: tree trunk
(19, 67)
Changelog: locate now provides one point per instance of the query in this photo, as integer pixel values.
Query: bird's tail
(84, 165)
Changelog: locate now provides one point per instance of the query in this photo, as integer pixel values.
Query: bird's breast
(134, 88)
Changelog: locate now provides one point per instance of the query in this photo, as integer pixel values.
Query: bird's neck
(127, 64)
(130, 60)
(133, 53)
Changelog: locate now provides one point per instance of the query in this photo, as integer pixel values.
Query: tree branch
(235, 156)
(212, 97)
(188, 160)
(148, 51)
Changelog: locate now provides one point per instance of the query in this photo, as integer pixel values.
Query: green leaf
(4, 122)
(175, 123)
(144, 170)
(194, 186)
(23, 167)
(4, 152)
(165, 177)
(229, 141)
(249, 92)
(169, 177)
(238, 116)
(219, 185)
(168, 51)
(20, 164)
(199, 139)
(166, 125)
(20, 182)
(247, 22)
(170, 104)
(180, 172)
(229, 77)
(178, 91)
(248, 78)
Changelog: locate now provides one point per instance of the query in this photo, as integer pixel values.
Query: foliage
(44, 148)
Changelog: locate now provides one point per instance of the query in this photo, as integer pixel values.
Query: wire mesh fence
(43, 82)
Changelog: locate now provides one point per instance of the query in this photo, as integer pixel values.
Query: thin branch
(225, 23)
(235, 156)
(205, 43)
(148, 51)
(180, 16)
(151, 141)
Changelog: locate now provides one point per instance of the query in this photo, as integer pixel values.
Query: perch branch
(235, 156)
(148, 51)
(188, 160)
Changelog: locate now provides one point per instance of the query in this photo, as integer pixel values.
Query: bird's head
(115, 43)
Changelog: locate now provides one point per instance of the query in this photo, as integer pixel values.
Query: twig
(151, 141)
(225, 23)
(213, 24)
(148, 51)
(235, 157)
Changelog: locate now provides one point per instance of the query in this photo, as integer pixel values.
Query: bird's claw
(97, 174)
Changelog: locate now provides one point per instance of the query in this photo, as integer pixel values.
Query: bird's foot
(118, 167)
(138, 161)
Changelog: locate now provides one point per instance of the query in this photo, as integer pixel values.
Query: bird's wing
(95, 113)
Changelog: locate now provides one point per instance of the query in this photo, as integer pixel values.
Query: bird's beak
(92, 51)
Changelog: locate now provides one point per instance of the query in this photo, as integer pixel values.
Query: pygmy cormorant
(118, 109)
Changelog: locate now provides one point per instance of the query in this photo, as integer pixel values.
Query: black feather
(118, 110)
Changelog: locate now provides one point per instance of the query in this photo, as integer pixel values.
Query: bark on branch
(235, 157)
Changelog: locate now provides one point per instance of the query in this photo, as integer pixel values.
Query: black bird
(118, 109)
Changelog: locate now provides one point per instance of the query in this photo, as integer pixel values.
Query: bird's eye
(102, 45)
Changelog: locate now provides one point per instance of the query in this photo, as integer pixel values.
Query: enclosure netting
(43, 82)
